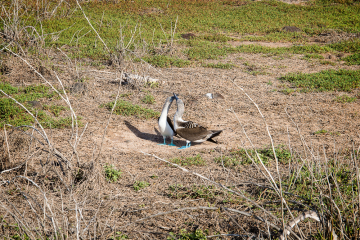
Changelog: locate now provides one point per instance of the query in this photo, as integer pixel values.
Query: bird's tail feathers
(214, 134)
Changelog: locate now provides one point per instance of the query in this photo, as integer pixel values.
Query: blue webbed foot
(172, 144)
(164, 142)
(188, 144)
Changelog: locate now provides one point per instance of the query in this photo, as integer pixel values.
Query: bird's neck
(165, 111)
(179, 113)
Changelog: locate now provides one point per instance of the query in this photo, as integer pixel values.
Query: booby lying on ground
(165, 125)
(191, 131)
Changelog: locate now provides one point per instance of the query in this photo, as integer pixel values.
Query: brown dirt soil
(114, 205)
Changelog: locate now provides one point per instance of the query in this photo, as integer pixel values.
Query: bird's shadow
(150, 137)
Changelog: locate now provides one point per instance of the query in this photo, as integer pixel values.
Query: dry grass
(67, 184)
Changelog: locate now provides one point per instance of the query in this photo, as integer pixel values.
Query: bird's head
(175, 96)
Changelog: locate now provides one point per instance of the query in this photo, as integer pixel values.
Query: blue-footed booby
(191, 131)
(165, 125)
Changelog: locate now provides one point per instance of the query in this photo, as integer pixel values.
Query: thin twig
(7, 144)
(92, 26)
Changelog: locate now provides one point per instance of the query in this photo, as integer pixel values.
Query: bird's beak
(175, 96)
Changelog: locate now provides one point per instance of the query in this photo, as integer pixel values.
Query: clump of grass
(352, 59)
(152, 84)
(164, 61)
(8, 89)
(321, 131)
(11, 113)
(112, 174)
(194, 192)
(350, 46)
(277, 36)
(288, 91)
(61, 122)
(327, 62)
(190, 161)
(138, 185)
(328, 80)
(148, 99)
(207, 50)
(252, 48)
(54, 109)
(313, 56)
(239, 156)
(219, 65)
(124, 95)
(255, 73)
(119, 236)
(345, 99)
(128, 109)
(230, 161)
(209, 193)
(253, 69)
(217, 38)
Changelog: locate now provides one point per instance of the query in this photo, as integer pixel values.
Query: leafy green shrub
(148, 99)
(350, 46)
(128, 109)
(315, 49)
(313, 55)
(239, 156)
(13, 114)
(322, 131)
(119, 236)
(209, 193)
(61, 122)
(8, 89)
(138, 185)
(112, 174)
(189, 161)
(352, 59)
(345, 99)
(217, 38)
(219, 65)
(207, 50)
(54, 109)
(287, 91)
(328, 80)
(327, 62)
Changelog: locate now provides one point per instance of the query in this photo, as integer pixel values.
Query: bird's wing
(189, 124)
(171, 125)
(193, 131)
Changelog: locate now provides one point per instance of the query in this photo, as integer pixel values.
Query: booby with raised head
(165, 125)
(191, 131)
